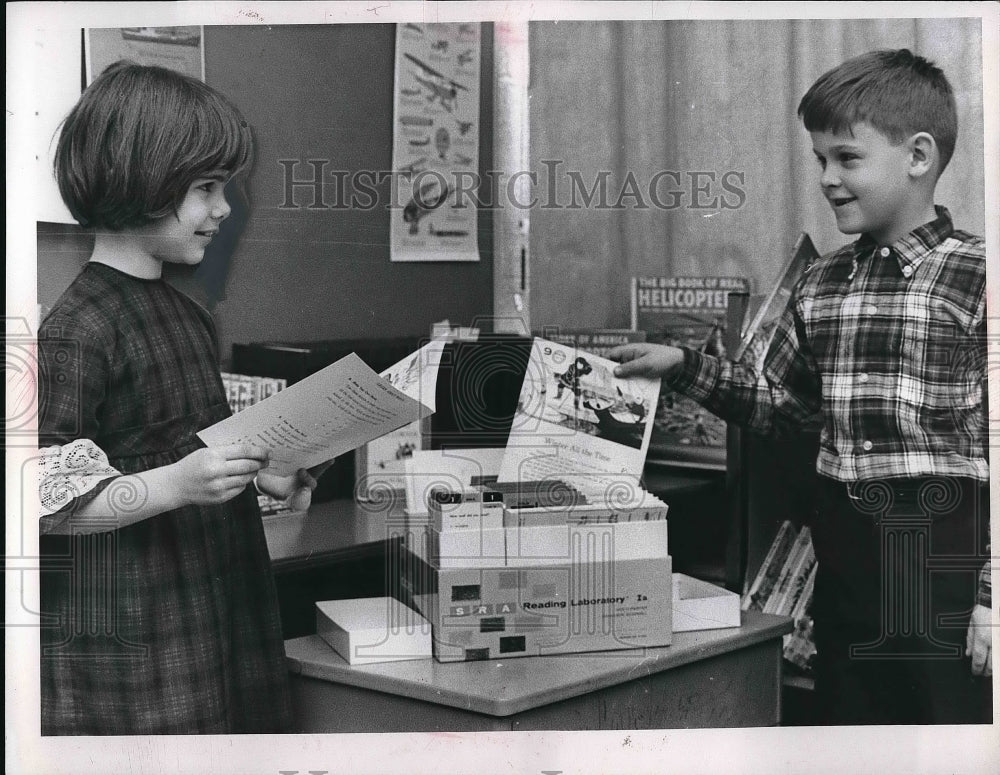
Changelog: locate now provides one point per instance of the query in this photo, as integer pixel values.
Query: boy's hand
(646, 360)
(978, 641)
(216, 474)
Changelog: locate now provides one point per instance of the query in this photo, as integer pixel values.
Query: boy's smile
(870, 183)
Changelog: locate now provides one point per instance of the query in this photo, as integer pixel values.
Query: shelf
(798, 681)
(660, 478)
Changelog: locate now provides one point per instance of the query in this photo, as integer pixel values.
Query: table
(711, 678)
(338, 549)
(327, 531)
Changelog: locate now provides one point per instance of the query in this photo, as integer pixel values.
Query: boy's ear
(923, 154)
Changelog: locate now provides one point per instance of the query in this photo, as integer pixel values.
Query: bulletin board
(300, 261)
(320, 101)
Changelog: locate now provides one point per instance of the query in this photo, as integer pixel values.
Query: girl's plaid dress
(169, 625)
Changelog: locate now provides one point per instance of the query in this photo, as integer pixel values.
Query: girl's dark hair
(897, 92)
(139, 136)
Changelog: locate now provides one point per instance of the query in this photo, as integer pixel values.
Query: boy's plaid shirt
(887, 347)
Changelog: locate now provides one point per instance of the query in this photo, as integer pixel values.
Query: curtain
(701, 115)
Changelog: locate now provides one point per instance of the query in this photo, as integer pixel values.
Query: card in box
(373, 629)
(648, 508)
(468, 548)
(466, 515)
(700, 605)
(530, 545)
(547, 544)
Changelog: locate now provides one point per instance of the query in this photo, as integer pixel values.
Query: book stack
(784, 586)
(507, 570)
(243, 391)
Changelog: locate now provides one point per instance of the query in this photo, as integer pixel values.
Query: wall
(310, 92)
(703, 98)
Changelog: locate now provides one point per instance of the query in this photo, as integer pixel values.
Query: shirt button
(907, 271)
(862, 378)
(867, 446)
(885, 252)
(871, 309)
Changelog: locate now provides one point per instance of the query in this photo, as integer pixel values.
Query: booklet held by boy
(576, 422)
(334, 411)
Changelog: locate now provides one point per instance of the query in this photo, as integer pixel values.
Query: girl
(156, 583)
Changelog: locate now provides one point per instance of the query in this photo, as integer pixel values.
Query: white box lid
(369, 613)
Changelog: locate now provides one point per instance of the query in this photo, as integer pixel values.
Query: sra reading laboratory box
(603, 587)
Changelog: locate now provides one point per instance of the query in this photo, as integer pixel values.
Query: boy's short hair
(139, 136)
(897, 92)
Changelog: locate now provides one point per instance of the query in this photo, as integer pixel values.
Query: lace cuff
(72, 474)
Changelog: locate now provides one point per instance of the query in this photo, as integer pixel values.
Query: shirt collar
(911, 249)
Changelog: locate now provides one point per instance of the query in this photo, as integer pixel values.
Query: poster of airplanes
(435, 154)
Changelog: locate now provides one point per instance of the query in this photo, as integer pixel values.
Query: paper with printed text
(325, 415)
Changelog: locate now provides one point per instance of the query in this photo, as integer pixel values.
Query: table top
(507, 686)
(331, 528)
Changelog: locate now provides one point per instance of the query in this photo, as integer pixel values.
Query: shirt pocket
(932, 344)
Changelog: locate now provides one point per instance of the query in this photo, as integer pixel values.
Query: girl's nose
(221, 208)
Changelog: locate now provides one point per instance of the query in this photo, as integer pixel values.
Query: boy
(886, 340)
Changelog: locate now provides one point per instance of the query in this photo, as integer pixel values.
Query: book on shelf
(242, 391)
(760, 590)
(798, 646)
(690, 312)
(784, 586)
(764, 313)
(801, 606)
(791, 585)
(795, 561)
(800, 578)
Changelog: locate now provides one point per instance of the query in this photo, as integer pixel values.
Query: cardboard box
(572, 589)
(525, 546)
(700, 605)
(373, 629)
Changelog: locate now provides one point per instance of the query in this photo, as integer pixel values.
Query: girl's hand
(646, 360)
(216, 474)
(295, 489)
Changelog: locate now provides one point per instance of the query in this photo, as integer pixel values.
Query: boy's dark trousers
(896, 584)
